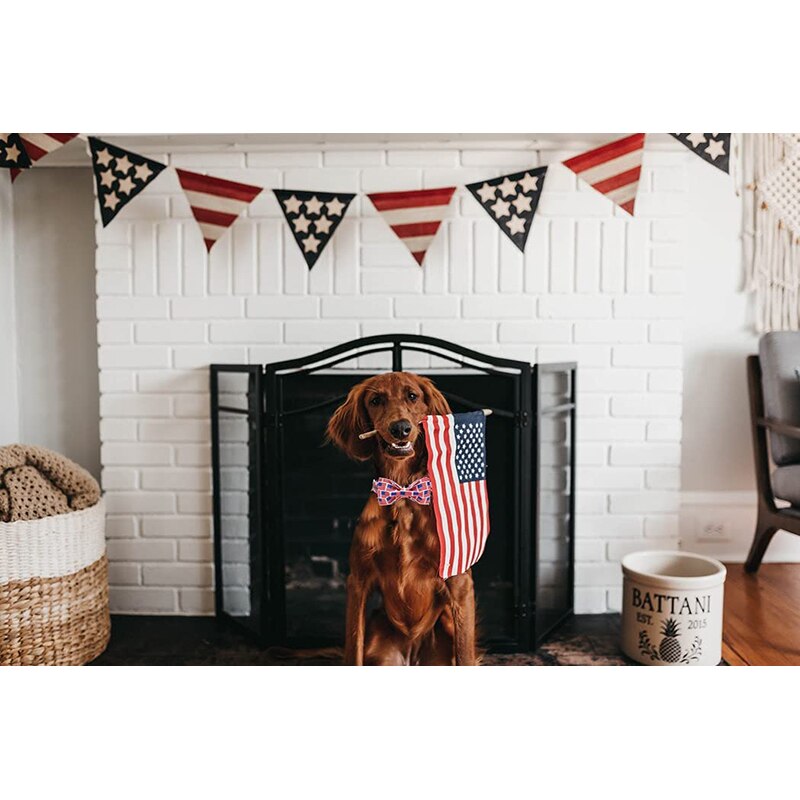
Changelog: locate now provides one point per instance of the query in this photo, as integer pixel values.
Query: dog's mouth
(401, 449)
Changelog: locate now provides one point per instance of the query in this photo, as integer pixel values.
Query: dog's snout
(400, 429)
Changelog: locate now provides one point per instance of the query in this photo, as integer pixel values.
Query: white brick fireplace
(593, 286)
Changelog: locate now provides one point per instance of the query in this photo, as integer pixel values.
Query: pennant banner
(12, 152)
(119, 175)
(216, 203)
(38, 145)
(511, 201)
(313, 218)
(414, 216)
(613, 169)
(712, 147)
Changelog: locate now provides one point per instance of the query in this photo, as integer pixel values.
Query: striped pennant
(414, 216)
(613, 169)
(216, 203)
(38, 145)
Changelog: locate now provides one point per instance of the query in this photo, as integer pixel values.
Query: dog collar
(389, 492)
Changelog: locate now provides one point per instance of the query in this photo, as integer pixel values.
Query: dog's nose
(400, 429)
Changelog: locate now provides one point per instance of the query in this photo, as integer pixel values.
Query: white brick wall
(594, 286)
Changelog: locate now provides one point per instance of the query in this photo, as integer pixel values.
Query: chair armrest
(792, 431)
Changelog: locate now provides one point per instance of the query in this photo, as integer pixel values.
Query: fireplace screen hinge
(522, 419)
(522, 610)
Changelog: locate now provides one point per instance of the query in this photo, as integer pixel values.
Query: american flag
(414, 216)
(457, 469)
(216, 203)
(613, 169)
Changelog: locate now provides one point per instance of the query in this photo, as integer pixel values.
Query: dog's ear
(347, 422)
(434, 399)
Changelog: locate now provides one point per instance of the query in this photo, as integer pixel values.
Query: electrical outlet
(712, 531)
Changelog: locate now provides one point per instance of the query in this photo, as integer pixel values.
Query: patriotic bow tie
(390, 492)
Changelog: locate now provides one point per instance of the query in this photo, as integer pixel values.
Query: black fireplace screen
(285, 504)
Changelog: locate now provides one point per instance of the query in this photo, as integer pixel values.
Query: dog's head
(393, 404)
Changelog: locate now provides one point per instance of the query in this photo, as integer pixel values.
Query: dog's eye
(412, 396)
(375, 400)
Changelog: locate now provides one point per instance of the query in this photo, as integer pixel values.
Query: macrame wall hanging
(770, 164)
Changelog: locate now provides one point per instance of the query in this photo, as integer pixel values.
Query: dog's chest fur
(407, 559)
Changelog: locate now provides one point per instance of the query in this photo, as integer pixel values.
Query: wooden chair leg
(761, 540)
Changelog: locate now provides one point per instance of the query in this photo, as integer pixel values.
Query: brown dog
(395, 550)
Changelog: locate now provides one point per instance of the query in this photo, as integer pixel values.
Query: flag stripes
(613, 169)
(216, 203)
(461, 505)
(414, 216)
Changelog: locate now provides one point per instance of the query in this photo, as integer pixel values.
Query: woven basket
(54, 589)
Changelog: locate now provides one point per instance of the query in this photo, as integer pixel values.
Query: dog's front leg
(356, 621)
(462, 598)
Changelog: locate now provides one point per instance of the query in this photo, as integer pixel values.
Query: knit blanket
(36, 482)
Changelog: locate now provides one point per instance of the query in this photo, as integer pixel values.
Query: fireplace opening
(285, 505)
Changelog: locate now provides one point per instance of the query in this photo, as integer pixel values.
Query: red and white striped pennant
(216, 203)
(38, 145)
(414, 216)
(613, 169)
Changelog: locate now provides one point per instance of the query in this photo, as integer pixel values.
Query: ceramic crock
(672, 608)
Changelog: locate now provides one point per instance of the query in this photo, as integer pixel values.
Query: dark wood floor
(762, 616)
(591, 639)
(761, 628)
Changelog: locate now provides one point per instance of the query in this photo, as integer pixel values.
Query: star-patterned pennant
(613, 169)
(119, 175)
(313, 217)
(38, 145)
(216, 203)
(712, 147)
(511, 201)
(414, 216)
(12, 152)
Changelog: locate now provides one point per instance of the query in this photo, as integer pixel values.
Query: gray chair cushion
(779, 356)
(786, 483)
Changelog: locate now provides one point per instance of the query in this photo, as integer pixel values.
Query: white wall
(593, 285)
(53, 303)
(717, 474)
(9, 405)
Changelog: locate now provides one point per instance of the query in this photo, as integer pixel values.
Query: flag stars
(314, 206)
(487, 193)
(126, 185)
(311, 244)
(323, 225)
(715, 148)
(515, 225)
(500, 208)
(123, 165)
(107, 179)
(111, 200)
(292, 205)
(142, 172)
(12, 153)
(301, 224)
(529, 183)
(311, 226)
(508, 187)
(103, 157)
(696, 139)
(522, 203)
(335, 207)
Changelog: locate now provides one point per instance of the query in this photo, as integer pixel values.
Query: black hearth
(285, 505)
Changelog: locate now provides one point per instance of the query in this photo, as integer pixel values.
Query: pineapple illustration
(670, 648)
